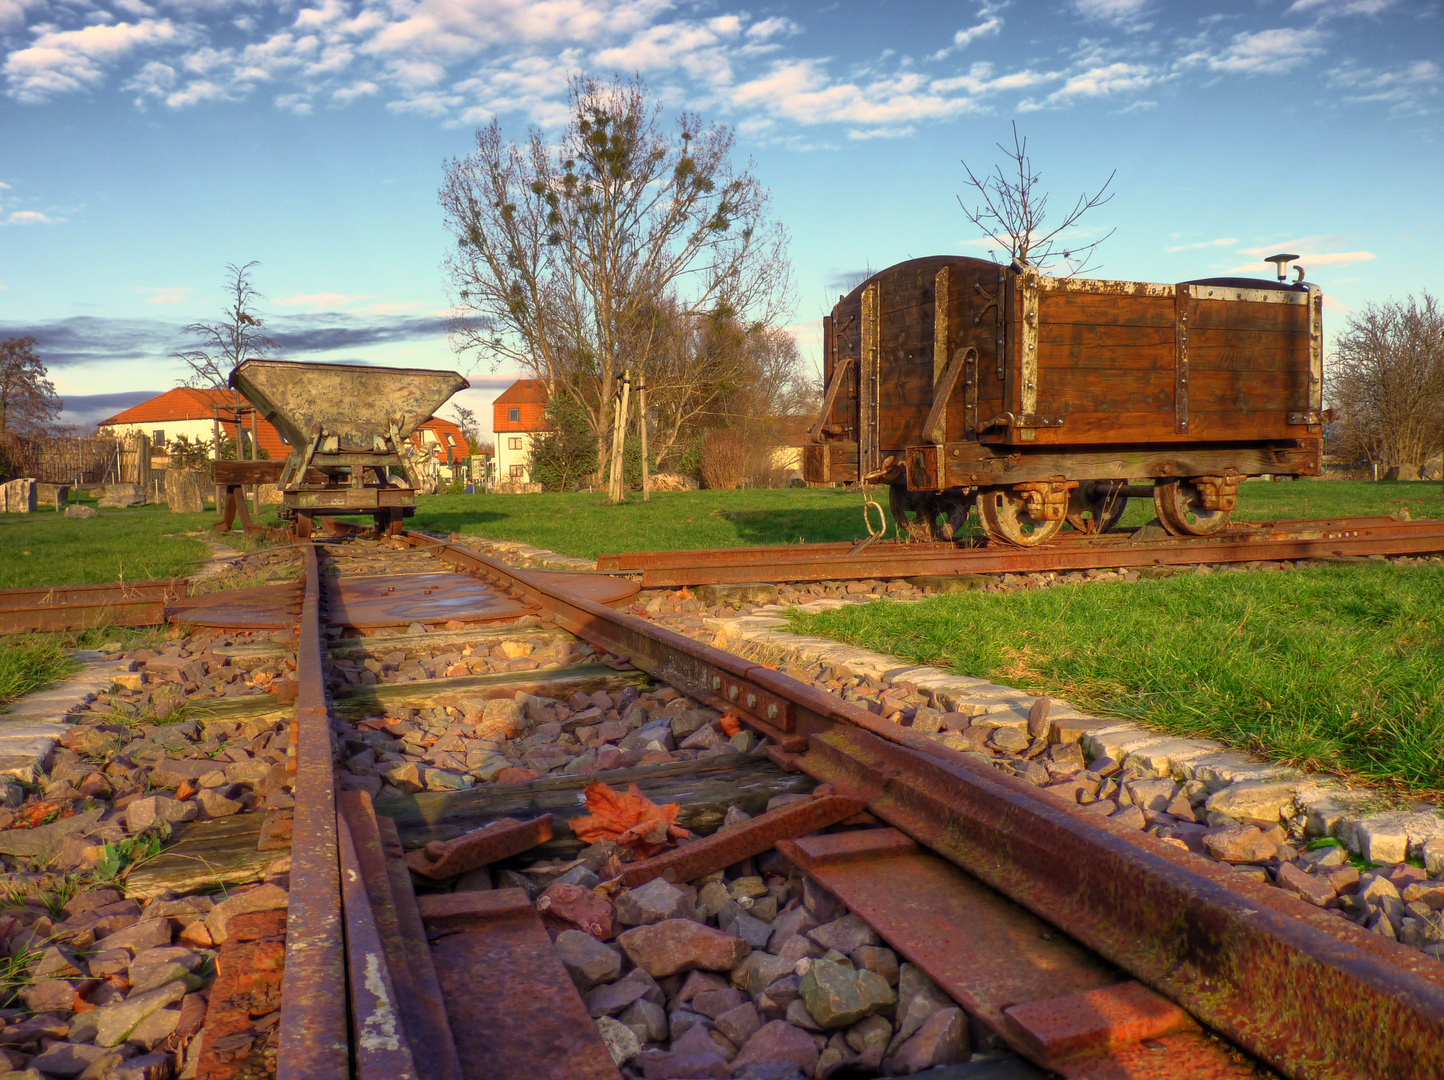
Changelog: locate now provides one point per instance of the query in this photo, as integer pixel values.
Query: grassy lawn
(586, 525)
(1335, 667)
(129, 545)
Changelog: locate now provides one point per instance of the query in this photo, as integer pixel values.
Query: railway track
(1355, 537)
(995, 919)
(1071, 945)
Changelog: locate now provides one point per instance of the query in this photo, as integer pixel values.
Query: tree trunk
(642, 429)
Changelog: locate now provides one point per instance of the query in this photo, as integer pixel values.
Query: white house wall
(507, 455)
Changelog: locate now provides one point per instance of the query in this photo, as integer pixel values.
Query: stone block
(17, 497)
(122, 495)
(184, 493)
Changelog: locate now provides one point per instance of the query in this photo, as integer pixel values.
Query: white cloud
(161, 294)
(1102, 81)
(1227, 241)
(1128, 14)
(323, 299)
(1329, 8)
(63, 61)
(12, 12)
(1264, 52)
(29, 217)
(1312, 253)
(774, 27)
(1403, 88)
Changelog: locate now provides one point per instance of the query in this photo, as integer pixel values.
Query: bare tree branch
(1013, 212)
(237, 336)
(1387, 383)
(568, 255)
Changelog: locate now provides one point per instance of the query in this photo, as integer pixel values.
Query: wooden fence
(66, 460)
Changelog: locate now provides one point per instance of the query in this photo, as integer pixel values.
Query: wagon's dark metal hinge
(1312, 416)
(1025, 420)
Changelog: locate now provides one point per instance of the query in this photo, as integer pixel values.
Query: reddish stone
(609, 757)
(1315, 890)
(779, 1041)
(1239, 844)
(676, 945)
(515, 774)
(571, 907)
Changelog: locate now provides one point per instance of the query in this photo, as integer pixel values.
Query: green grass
(129, 545)
(30, 664)
(586, 525)
(1335, 668)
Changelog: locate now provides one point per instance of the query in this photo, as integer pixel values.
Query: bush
(562, 456)
(689, 463)
(724, 459)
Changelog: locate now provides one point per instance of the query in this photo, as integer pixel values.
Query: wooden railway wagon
(956, 380)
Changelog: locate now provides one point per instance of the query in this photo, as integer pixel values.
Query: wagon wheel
(1103, 502)
(914, 511)
(1180, 508)
(1005, 518)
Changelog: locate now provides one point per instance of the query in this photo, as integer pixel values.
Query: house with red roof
(518, 416)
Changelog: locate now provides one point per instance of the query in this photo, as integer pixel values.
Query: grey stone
(846, 934)
(1432, 852)
(586, 959)
(918, 997)
(1254, 800)
(797, 921)
(750, 929)
(163, 964)
(183, 492)
(1382, 839)
(653, 902)
(80, 510)
(647, 1019)
(116, 1021)
(838, 996)
(868, 1033)
(621, 1041)
(713, 1003)
(739, 1024)
(143, 813)
(759, 971)
(941, 1040)
(155, 1028)
(1009, 739)
(144, 1067)
(122, 495)
(17, 497)
(67, 1058)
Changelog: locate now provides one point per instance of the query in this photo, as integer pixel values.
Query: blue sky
(144, 144)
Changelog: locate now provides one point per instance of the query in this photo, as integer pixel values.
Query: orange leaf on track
(731, 724)
(632, 820)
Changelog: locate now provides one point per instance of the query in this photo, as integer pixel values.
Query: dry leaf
(632, 820)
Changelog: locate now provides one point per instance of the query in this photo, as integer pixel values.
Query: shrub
(724, 459)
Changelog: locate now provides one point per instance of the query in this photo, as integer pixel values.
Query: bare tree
(235, 337)
(570, 253)
(465, 419)
(1014, 211)
(1387, 383)
(28, 403)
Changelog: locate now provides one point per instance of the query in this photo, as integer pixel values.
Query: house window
(514, 444)
(516, 472)
(157, 437)
(513, 416)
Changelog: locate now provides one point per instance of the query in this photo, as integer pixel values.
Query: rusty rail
(314, 1038)
(1312, 994)
(79, 607)
(1294, 539)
